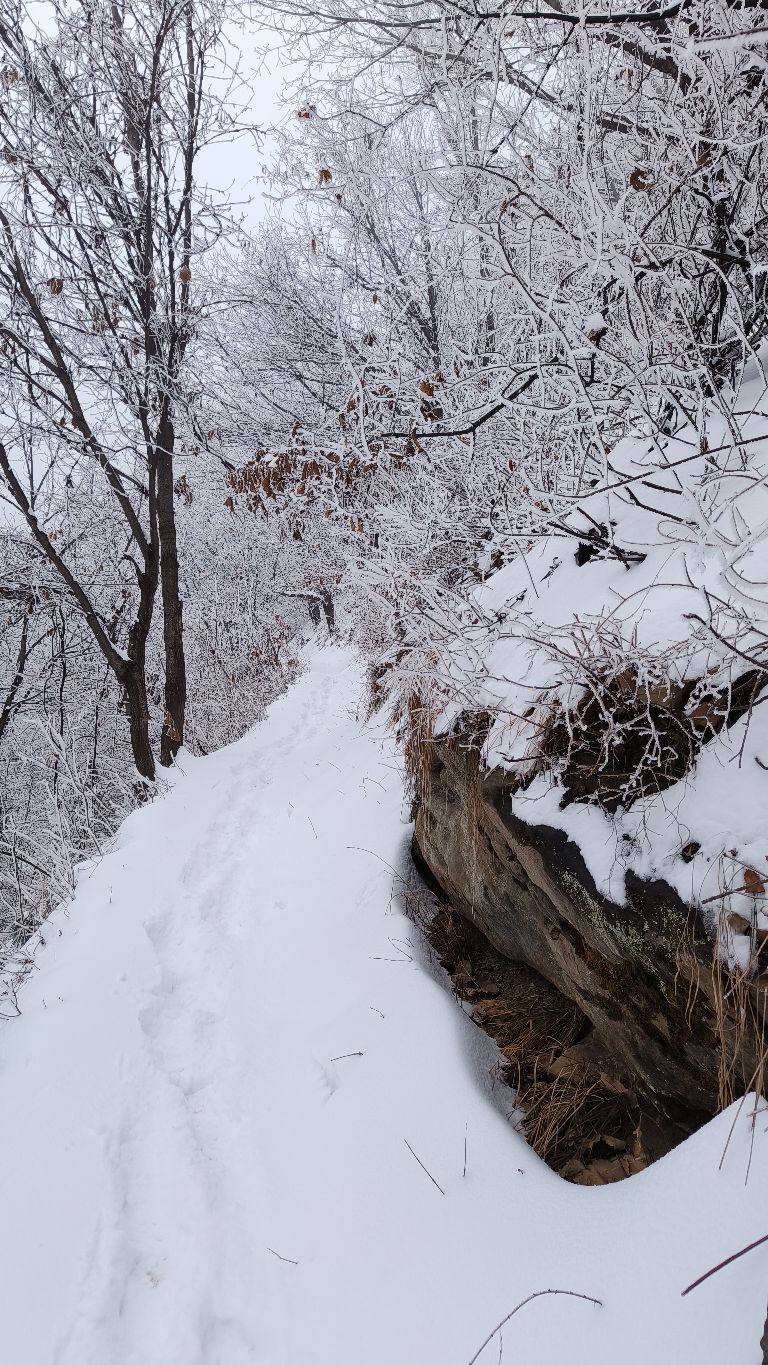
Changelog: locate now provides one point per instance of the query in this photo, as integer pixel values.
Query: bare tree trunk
(172, 736)
(764, 1342)
(18, 677)
(327, 605)
(138, 719)
(129, 672)
(134, 675)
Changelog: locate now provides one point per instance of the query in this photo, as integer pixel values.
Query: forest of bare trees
(496, 242)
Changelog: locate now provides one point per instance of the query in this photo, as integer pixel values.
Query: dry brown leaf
(753, 882)
(641, 180)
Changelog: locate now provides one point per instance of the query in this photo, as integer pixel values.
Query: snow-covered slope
(684, 598)
(229, 1042)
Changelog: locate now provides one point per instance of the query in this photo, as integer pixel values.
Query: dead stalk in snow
(740, 1024)
(722, 1264)
(423, 1167)
(539, 1294)
(418, 904)
(287, 1259)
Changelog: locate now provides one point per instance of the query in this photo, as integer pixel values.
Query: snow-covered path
(205, 1106)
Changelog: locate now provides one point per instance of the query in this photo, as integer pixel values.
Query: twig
(396, 942)
(417, 895)
(539, 1294)
(728, 1261)
(356, 848)
(423, 1167)
(342, 1055)
(287, 1259)
(314, 831)
(732, 1129)
(406, 957)
(464, 1172)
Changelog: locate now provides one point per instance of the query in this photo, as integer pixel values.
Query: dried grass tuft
(741, 1007)
(418, 721)
(579, 1117)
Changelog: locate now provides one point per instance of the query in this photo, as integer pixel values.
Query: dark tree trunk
(172, 736)
(327, 605)
(764, 1342)
(134, 675)
(18, 677)
(138, 719)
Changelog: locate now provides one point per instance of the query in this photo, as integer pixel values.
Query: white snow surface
(178, 1111)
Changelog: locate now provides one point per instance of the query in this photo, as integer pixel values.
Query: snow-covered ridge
(667, 592)
(228, 1042)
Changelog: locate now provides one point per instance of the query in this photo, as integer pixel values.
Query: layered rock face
(657, 1019)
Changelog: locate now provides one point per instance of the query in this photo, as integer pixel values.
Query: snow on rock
(689, 515)
(229, 1039)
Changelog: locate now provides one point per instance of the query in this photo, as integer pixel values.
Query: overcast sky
(238, 166)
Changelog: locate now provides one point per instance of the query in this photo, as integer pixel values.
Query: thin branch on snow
(540, 1293)
(722, 1264)
(423, 1167)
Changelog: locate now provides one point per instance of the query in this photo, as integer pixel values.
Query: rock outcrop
(660, 1019)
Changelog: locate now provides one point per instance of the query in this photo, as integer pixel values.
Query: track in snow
(206, 1103)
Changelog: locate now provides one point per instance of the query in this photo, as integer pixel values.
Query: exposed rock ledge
(657, 1019)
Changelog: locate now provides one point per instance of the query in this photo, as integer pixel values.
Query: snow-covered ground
(229, 1041)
